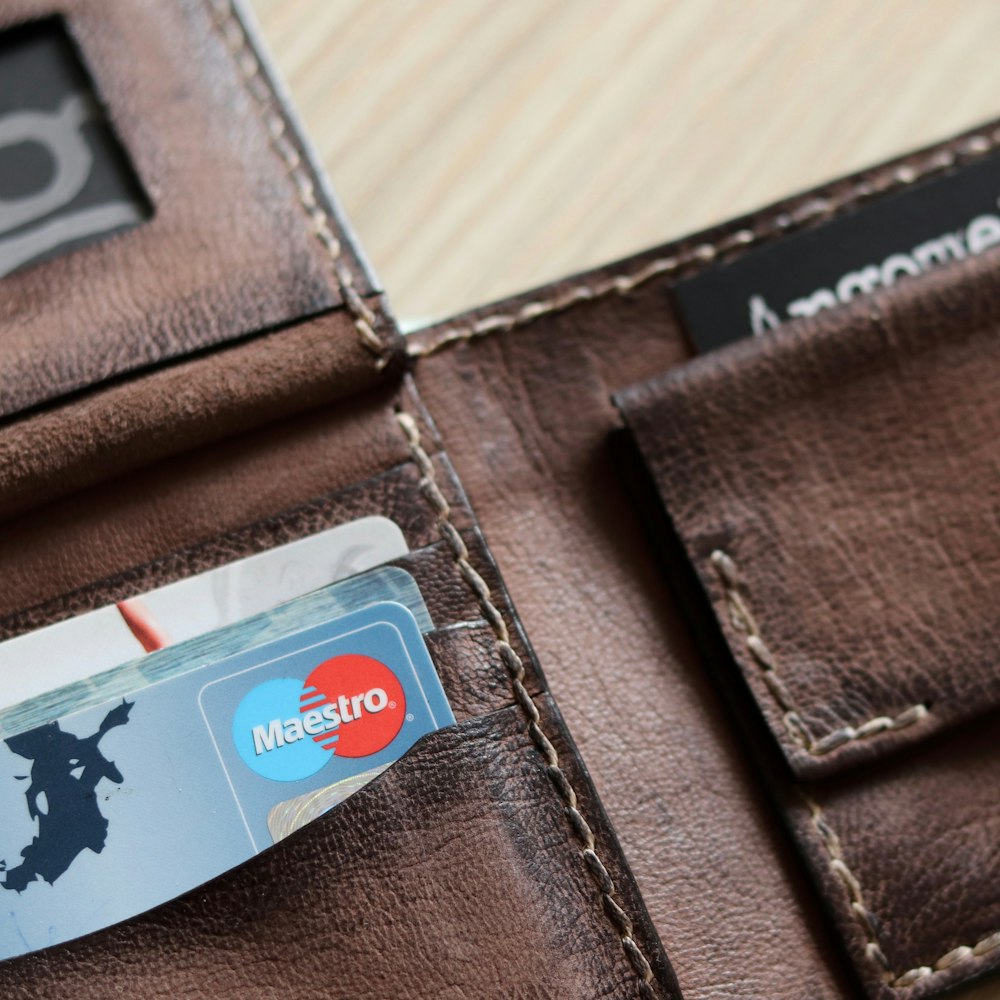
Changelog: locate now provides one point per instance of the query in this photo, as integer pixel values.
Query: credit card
(74, 650)
(115, 809)
(387, 583)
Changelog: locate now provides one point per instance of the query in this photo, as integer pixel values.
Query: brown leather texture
(836, 488)
(219, 415)
(521, 393)
(194, 401)
(527, 419)
(243, 236)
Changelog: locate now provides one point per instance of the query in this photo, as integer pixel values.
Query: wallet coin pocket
(832, 489)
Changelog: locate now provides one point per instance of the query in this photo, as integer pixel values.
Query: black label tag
(64, 178)
(892, 238)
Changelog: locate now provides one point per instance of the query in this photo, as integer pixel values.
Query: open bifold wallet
(634, 637)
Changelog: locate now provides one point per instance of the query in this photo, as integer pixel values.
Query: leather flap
(242, 237)
(836, 486)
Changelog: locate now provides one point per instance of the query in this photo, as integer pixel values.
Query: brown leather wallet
(760, 583)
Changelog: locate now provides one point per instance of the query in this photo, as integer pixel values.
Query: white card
(80, 647)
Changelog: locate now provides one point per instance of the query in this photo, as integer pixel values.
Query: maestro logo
(350, 705)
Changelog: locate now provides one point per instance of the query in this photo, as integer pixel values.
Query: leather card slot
(394, 494)
(215, 396)
(465, 655)
(248, 492)
(463, 831)
(587, 934)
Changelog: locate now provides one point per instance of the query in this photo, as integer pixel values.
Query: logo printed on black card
(895, 238)
(64, 179)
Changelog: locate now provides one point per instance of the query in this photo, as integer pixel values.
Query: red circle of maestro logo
(365, 696)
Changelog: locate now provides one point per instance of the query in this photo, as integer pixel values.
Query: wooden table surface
(482, 147)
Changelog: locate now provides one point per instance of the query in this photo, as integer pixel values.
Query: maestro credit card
(114, 809)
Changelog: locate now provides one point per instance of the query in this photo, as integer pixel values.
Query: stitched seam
(146, 576)
(619, 919)
(743, 621)
(869, 922)
(227, 22)
(781, 223)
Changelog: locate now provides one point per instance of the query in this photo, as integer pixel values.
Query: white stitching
(620, 284)
(869, 923)
(231, 28)
(743, 621)
(808, 210)
(862, 914)
(515, 667)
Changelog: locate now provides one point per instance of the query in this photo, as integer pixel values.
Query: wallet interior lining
(607, 330)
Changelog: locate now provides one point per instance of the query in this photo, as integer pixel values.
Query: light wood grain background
(481, 147)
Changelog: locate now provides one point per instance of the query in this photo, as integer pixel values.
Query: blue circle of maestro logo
(260, 735)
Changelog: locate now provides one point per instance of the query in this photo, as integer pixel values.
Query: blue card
(115, 809)
(387, 583)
